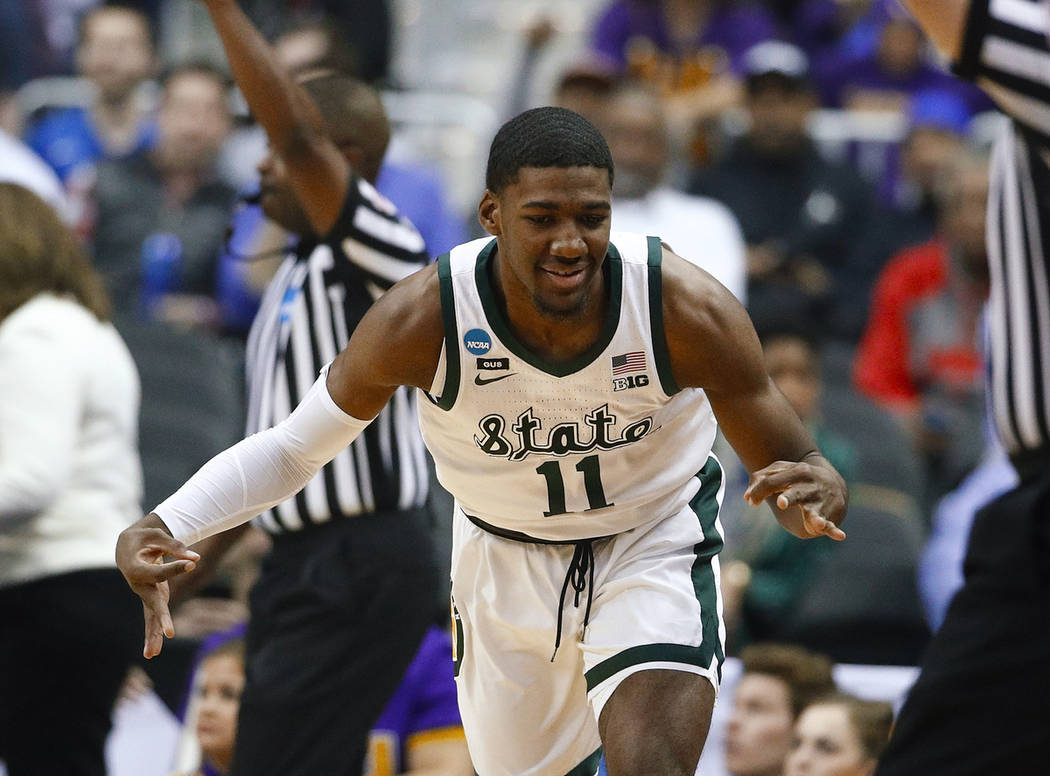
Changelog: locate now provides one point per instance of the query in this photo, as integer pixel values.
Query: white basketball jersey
(564, 451)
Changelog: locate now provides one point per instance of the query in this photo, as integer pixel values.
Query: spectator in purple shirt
(897, 67)
(691, 50)
(680, 28)
(420, 729)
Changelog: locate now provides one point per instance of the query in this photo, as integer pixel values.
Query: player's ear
(488, 214)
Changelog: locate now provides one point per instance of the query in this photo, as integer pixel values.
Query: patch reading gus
(477, 341)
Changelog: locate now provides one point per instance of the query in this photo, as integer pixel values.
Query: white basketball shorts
(656, 604)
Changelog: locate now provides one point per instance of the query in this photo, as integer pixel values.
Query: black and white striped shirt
(308, 312)
(1005, 49)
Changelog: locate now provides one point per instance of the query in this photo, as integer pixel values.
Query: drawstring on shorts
(580, 575)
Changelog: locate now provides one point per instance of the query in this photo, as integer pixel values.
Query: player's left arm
(713, 346)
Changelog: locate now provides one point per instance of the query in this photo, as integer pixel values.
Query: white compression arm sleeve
(262, 470)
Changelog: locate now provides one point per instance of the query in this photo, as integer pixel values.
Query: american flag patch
(628, 362)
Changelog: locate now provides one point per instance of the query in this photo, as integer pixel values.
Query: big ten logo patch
(631, 381)
(477, 342)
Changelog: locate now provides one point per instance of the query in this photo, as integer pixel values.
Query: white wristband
(262, 470)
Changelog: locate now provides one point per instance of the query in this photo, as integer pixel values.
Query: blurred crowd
(811, 154)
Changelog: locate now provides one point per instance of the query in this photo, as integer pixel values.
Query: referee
(982, 702)
(347, 592)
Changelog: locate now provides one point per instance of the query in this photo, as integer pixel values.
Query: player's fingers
(156, 542)
(818, 525)
(154, 632)
(155, 600)
(172, 547)
(146, 573)
(802, 493)
(771, 480)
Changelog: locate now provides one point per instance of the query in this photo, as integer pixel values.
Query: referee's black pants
(336, 617)
(981, 705)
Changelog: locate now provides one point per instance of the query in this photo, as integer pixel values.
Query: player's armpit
(398, 342)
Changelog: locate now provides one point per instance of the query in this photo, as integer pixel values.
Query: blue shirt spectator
(69, 140)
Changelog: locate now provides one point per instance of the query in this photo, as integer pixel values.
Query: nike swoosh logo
(479, 381)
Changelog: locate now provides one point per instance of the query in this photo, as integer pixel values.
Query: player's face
(825, 744)
(759, 732)
(222, 679)
(553, 231)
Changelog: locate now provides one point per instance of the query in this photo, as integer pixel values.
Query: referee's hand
(148, 557)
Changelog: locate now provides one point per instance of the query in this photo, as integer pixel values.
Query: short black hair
(353, 114)
(545, 137)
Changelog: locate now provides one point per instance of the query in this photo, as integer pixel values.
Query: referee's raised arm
(318, 171)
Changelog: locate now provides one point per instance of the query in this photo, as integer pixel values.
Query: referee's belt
(580, 573)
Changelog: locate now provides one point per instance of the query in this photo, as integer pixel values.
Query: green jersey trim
(448, 320)
(656, 318)
(496, 319)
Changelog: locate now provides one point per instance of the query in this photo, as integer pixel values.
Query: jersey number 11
(592, 481)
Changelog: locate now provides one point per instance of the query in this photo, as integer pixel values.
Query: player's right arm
(398, 342)
(318, 171)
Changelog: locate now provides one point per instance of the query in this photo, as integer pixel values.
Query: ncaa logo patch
(477, 342)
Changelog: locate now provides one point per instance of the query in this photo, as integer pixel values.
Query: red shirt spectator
(923, 330)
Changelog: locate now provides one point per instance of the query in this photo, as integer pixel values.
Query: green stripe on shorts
(649, 653)
(705, 505)
(588, 767)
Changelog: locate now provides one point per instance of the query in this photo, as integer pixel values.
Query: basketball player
(570, 384)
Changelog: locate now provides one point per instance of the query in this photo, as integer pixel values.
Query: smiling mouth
(563, 276)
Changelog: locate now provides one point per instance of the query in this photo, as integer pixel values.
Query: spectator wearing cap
(800, 213)
(937, 131)
(919, 357)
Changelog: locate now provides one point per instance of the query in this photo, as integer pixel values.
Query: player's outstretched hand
(813, 486)
(148, 557)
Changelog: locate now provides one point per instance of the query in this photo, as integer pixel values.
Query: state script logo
(564, 439)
